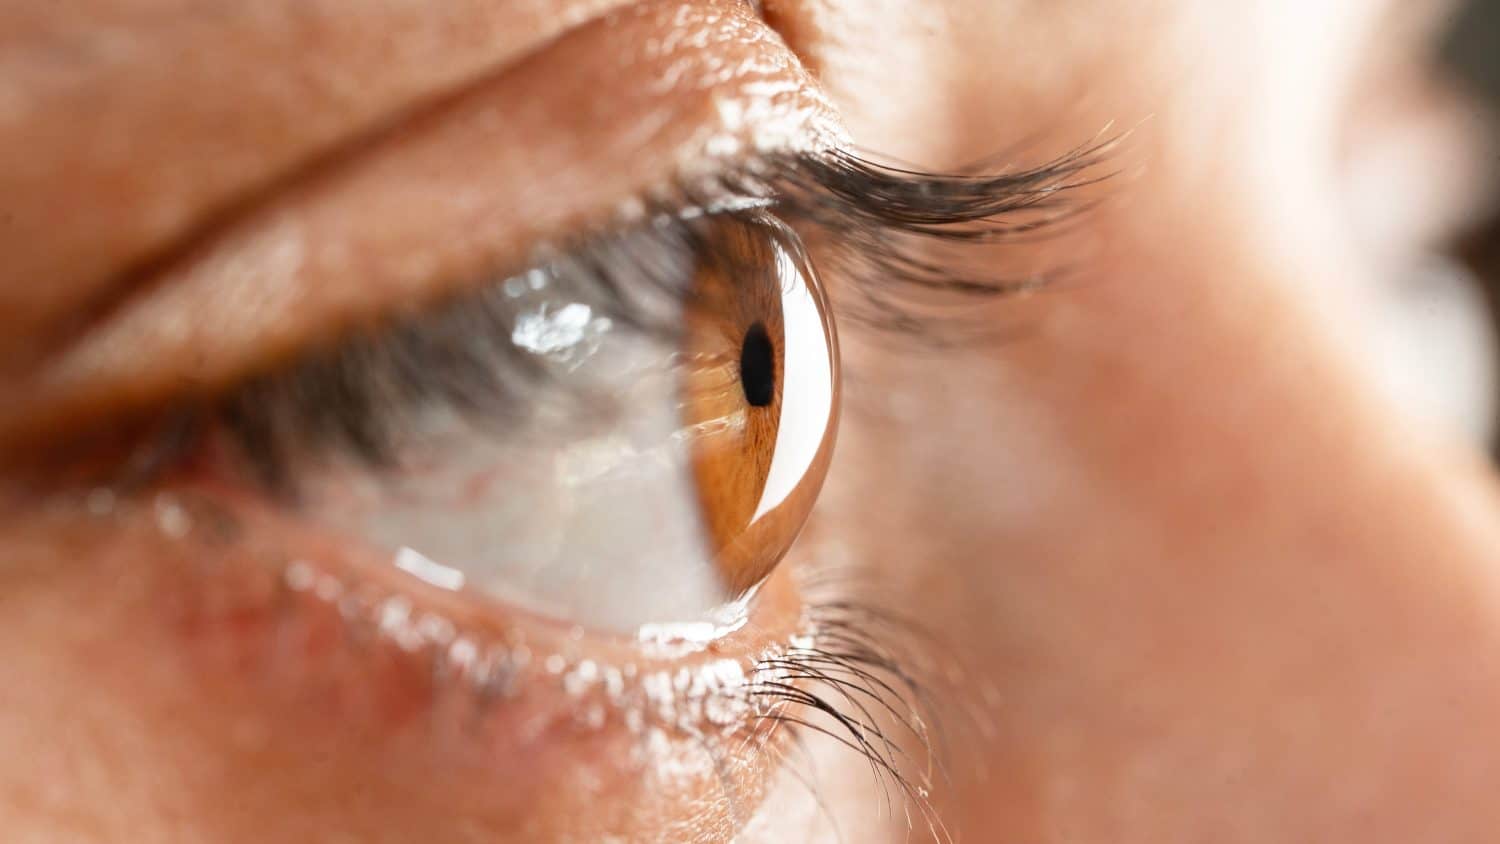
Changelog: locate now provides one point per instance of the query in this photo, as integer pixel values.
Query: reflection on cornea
(414, 563)
(566, 334)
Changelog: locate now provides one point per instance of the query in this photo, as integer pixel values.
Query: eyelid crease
(264, 88)
(125, 285)
(532, 156)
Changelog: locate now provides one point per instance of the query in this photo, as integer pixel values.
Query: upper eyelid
(124, 101)
(454, 198)
(878, 212)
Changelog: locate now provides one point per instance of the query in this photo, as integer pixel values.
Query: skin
(1203, 580)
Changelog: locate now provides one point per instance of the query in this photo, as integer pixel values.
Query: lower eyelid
(262, 603)
(270, 673)
(287, 672)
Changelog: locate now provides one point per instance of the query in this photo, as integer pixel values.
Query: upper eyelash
(879, 215)
(349, 397)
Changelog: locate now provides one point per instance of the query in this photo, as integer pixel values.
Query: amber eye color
(760, 394)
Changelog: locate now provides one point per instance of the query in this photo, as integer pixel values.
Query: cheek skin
(1193, 561)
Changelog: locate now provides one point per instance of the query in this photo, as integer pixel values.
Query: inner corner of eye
(676, 502)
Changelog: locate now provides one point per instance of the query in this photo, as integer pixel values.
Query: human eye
(416, 472)
(625, 436)
(552, 507)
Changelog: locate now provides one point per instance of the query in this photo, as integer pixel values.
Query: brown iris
(760, 394)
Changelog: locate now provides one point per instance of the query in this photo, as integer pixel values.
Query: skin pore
(1205, 580)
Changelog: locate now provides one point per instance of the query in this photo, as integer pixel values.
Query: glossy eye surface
(761, 397)
(652, 477)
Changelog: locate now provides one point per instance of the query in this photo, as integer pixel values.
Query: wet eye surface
(761, 398)
(614, 455)
(758, 366)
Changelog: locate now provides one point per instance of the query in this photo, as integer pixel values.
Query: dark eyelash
(874, 682)
(872, 222)
(848, 685)
(880, 222)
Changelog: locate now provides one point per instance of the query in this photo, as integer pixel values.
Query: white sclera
(586, 510)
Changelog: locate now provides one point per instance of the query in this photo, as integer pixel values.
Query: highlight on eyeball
(659, 476)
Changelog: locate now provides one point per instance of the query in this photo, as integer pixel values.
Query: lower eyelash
(863, 677)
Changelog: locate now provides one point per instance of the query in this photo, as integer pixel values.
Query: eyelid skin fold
(455, 198)
(191, 110)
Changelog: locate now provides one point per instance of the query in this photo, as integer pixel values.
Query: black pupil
(758, 367)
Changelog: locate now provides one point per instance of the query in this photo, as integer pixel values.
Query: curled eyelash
(876, 226)
(894, 234)
(844, 682)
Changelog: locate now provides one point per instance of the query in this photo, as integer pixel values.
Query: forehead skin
(1210, 586)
